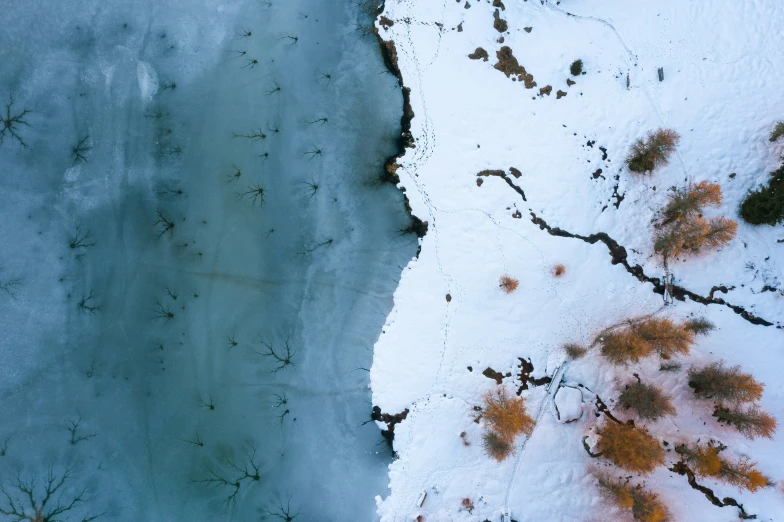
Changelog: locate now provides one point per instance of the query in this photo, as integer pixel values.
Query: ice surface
(154, 278)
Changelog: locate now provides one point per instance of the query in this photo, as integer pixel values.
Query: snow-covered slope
(722, 93)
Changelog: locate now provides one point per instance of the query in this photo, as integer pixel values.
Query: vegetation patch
(507, 64)
(765, 205)
(479, 54)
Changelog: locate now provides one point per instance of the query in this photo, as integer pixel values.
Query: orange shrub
(508, 283)
(643, 338)
(705, 461)
(559, 270)
(507, 416)
(629, 448)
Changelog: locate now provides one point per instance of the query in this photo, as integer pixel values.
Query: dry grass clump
(653, 151)
(644, 505)
(646, 400)
(508, 283)
(630, 448)
(706, 461)
(575, 351)
(683, 230)
(506, 417)
(559, 270)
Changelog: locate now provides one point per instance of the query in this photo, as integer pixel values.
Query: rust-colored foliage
(507, 416)
(646, 400)
(751, 422)
(719, 383)
(624, 346)
(665, 337)
(644, 505)
(706, 461)
(559, 270)
(508, 283)
(653, 151)
(644, 338)
(467, 504)
(630, 448)
(683, 230)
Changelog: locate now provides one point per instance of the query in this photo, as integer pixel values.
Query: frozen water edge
(164, 364)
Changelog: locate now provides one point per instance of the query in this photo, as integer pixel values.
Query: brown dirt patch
(499, 3)
(570, 82)
(479, 53)
(508, 65)
(385, 22)
(559, 95)
(528, 29)
(546, 90)
(499, 23)
(516, 173)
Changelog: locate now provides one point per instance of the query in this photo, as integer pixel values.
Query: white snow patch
(569, 402)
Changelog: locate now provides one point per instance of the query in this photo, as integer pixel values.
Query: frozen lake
(197, 257)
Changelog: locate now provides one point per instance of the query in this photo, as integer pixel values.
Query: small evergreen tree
(629, 448)
(765, 206)
(576, 68)
(716, 382)
(653, 151)
(647, 401)
(778, 131)
(752, 422)
(700, 325)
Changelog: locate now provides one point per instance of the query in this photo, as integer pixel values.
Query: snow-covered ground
(722, 91)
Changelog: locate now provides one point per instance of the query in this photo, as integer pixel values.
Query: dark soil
(508, 65)
(479, 53)
(499, 23)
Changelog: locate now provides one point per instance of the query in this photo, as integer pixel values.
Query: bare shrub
(653, 151)
(575, 351)
(630, 448)
(700, 325)
(719, 383)
(751, 422)
(508, 283)
(647, 401)
(644, 505)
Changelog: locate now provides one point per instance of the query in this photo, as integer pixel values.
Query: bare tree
(279, 511)
(9, 124)
(234, 474)
(77, 435)
(24, 501)
(281, 360)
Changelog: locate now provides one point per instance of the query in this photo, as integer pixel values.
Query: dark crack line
(502, 174)
(682, 469)
(619, 256)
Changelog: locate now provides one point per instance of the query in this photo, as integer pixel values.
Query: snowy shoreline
(450, 322)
